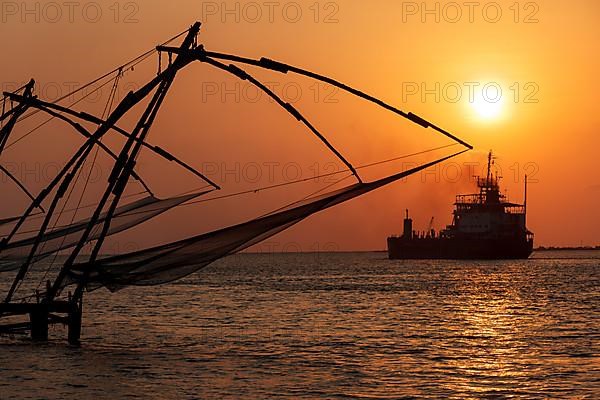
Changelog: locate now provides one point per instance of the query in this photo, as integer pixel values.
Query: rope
(56, 223)
(40, 215)
(260, 189)
(111, 95)
(406, 156)
(243, 75)
(308, 196)
(14, 142)
(43, 244)
(107, 109)
(311, 195)
(285, 68)
(129, 65)
(108, 106)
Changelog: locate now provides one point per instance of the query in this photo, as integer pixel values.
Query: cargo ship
(485, 225)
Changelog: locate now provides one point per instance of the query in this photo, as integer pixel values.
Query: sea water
(331, 326)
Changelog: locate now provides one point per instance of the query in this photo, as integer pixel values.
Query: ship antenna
(489, 168)
(525, 200)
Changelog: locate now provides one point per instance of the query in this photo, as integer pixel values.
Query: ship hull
(459, 248)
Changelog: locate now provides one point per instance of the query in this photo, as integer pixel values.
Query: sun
(487, 106)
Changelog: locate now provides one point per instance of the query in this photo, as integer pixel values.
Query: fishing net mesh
(125, 217)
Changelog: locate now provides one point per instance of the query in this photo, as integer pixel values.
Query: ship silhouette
(485, 226)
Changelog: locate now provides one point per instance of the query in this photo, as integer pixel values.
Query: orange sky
(543, 55)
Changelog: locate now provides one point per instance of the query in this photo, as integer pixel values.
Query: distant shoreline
(552, 248)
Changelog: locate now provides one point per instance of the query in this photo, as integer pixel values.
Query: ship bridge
(487, 212)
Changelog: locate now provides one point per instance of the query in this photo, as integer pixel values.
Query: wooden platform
(41, 315)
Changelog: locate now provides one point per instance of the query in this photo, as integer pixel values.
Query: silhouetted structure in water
(159, 264)
(485, 226)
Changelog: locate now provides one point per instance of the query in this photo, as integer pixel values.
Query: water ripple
(338, 326)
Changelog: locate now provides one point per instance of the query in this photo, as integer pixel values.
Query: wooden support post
(74, 328)
(38, 317)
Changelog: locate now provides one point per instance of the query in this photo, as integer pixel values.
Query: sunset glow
(403, 53)
(487, 109)
(300, 199)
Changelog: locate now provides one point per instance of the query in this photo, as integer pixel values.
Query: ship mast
(489, 169)
(525, 201)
